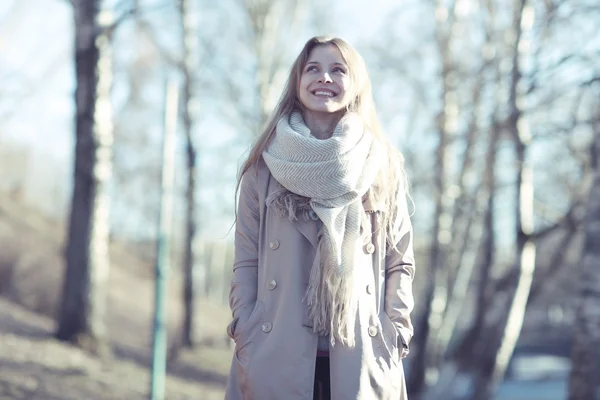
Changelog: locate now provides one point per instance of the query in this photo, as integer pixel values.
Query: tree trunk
(435, 291)
(493, 369)
(473, 343)
(583, 381)
(84, 293)
(480, 238)
(194, 273)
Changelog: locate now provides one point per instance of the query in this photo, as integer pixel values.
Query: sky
(39, 93)
(41, 85)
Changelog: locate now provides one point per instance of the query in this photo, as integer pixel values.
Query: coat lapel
(307, 227)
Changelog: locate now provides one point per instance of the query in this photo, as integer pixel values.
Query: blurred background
(494, 103)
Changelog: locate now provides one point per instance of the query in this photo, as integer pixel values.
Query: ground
(35, 366)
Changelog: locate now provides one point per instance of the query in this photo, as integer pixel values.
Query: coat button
(372, 331)
(369, 288)
(274, 245)
(272, 284)
(313, 215)
(370, 248)
(266, 327)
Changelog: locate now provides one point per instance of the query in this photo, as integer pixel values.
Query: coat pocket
(244, 334)
(389, 336)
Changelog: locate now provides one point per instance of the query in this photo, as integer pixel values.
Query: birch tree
(497, 100)
(84, 295)
(583, 382)
(262, 36)
(264, 18)
(194, 272)
(510, 329)
(435, 290)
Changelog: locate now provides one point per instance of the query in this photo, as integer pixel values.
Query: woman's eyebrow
(335, 63)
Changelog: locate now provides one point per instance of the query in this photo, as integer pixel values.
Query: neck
(321, 125)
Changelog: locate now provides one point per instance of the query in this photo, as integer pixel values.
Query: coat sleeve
(400, 270)
(244, 284)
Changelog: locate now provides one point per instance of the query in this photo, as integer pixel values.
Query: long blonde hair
(391, 181)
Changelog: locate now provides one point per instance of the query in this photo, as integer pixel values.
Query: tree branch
(169, 58)
(591, 81)
(568, 220)
(131, 13)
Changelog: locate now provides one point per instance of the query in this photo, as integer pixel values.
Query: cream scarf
(333, 174)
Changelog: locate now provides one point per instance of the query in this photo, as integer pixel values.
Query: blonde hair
(391, 181)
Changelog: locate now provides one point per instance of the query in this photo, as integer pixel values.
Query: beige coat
(275, 348)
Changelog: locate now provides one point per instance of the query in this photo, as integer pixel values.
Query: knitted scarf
(333, 174)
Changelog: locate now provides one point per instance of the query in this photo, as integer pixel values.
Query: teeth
(323, 93)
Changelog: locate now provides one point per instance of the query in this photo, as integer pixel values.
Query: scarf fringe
(288, 204)
(330, 315)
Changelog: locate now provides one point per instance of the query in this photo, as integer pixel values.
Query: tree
(583, 382)
(194, 273)
(263, 32)
(184, 60)
(264, 44)
(435, 292)
(510, 327)
(491, 80)
(84, 294)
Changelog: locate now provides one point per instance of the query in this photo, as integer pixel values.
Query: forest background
(495, 105)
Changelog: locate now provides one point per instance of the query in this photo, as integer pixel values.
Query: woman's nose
(325, 78)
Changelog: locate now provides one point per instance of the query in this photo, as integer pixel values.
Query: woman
(321, 293)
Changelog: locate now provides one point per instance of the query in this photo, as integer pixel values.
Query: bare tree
(263, 36)
(194, 273)
(510, 329)
(264, 18)
(502, 85)
(583, 382)
(84, 294)
(435, 291)
(186, 61)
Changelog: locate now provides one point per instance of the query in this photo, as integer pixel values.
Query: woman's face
(325, 81)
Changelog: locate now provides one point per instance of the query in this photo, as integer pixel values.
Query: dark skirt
(322, 390)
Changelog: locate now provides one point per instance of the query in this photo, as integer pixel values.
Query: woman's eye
(339, 69)
(311, 68)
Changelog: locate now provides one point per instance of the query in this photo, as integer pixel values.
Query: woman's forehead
(326, 53)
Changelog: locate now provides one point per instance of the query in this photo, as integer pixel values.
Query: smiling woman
(321, 293)
(324, 90)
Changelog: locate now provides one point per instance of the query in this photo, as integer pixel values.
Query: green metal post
(159, 341)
